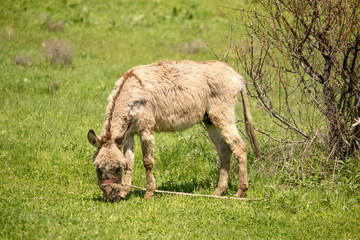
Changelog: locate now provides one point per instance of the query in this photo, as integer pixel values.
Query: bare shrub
(58, 52)
(50, 25)
(23, 60)
(303, 58)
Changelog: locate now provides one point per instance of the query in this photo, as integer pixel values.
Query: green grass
(48, 185)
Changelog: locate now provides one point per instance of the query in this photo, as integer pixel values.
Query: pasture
(48, 185)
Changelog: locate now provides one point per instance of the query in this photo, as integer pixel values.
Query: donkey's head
(110, 163)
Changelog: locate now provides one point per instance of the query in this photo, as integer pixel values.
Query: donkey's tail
(249, 123)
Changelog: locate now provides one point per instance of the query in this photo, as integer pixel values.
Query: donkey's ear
(120, 139)
(93, 139)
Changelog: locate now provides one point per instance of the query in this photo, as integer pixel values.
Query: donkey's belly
(178, 121)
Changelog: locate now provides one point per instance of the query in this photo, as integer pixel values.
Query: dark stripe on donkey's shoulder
(206, 119)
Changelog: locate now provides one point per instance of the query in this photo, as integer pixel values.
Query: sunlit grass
(48, 186)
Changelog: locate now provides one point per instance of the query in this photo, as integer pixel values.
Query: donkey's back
(173, 96)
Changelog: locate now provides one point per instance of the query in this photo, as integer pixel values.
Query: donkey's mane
(106, 131)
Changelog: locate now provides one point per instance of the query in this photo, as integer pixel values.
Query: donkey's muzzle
(110, 188)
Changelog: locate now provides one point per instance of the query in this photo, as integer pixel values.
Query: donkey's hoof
(219, 191)
(240, 193)
(149, 195)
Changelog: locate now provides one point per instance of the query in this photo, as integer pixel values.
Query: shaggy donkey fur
(170, 96)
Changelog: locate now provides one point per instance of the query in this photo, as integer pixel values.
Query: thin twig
(269, 136)
(324, 209)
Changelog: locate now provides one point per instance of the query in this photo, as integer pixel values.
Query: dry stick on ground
(196, 195)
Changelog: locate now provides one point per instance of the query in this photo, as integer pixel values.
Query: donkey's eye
(98, 171)
(118, 170)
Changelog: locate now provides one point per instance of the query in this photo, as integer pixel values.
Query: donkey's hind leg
(147, 145)
(224, 153)
(238, 147)
(129, 156)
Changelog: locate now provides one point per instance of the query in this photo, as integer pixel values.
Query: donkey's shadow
(187, 187)
(190, 186)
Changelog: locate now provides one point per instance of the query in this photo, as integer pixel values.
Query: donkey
(170, 96)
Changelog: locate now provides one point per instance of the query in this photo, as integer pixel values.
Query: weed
(58, 52)
(54, 87)
(54, 26)
(51, 25)
(23, 60)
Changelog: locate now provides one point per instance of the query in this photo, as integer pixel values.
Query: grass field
(48, 186)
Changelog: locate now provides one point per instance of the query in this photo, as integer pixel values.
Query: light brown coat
(170, 96)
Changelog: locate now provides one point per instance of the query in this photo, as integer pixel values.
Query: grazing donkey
(170, 96)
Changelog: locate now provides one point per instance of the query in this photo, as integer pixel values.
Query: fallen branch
(195, 195)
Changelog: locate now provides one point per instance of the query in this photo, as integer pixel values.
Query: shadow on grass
(97, 198)
(188, 187)
(191, 186)
(133, 193)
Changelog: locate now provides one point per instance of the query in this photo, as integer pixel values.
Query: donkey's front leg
(129, 156)
(147, 145)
